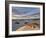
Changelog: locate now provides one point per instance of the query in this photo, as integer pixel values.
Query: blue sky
(25, 10)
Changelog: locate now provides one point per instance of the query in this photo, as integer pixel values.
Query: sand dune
(29, 26)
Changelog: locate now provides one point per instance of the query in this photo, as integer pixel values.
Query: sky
(25, 11)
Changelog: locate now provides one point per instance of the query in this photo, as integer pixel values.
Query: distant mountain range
(33, 16)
